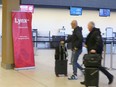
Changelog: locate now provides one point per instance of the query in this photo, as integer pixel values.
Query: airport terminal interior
(51, 22)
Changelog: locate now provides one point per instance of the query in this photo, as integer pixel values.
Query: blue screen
(104, 12)
(75, 11)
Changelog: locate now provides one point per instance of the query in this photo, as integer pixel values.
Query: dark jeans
(76, 65)
(102, 69)
(72, 57)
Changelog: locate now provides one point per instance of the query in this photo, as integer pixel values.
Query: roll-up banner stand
(22, 40)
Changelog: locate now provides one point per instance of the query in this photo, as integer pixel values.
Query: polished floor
(43, 74)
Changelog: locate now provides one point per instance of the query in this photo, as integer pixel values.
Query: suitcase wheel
(57, 75)
(66, 75)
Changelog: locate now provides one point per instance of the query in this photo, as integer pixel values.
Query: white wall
(45, 19)
(0, 20)
(0, 31)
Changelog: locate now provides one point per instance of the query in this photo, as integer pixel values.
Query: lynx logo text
(21, 21)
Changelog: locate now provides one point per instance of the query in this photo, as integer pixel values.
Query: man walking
(77, 41)
(94, 44)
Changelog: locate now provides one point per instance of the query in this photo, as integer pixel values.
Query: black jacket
(76, 38)
(94, 41)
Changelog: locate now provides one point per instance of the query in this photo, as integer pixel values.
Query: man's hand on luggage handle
(85, 45)
(75, 49)
(93, 51)
(62, 42)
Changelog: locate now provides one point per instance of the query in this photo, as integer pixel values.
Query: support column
(7, 44)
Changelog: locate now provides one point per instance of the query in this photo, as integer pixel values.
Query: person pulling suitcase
(61, 60)
(91, 63)
(76, 40)
(94, 44)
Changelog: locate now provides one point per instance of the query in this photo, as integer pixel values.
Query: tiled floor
(43, 74)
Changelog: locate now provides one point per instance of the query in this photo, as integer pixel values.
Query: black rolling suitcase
(60, 61)
(91, 63)
(61, 67)
(91, 77)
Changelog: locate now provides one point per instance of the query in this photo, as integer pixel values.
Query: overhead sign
(27, 8)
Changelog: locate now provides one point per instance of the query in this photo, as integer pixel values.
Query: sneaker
(82, 83)
(111, 80)
(73, 77)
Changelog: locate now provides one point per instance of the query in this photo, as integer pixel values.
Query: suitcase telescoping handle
(60, 52)
(63, 52)
(62, 48)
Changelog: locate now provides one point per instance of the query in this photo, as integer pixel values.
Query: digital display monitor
(104, 12)
(75, 11)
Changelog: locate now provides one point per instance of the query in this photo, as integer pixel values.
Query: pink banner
(22, 39)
